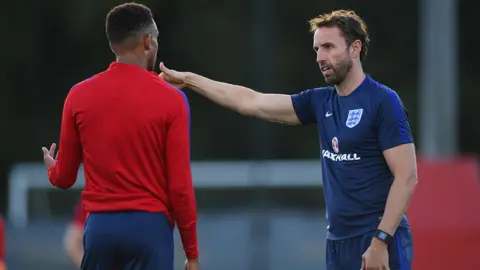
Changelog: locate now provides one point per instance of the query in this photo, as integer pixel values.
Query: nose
(321, 57)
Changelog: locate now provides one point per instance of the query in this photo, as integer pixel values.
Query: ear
(147, 42)
(356, 48)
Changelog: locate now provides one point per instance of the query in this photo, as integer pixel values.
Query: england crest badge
(354, 117)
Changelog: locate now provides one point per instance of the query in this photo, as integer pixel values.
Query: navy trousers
(347, 254)
(131, 240)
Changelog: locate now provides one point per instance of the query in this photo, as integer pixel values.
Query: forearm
(398, 200)
(188, 235)
(62, 179)
(64, 173)
(185, 215)
(181, 193)
(234, 97)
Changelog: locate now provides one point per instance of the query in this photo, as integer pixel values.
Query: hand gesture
(173, 77)
(49, 156)
(192, 264)
(376, 256)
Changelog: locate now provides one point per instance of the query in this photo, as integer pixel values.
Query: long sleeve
(64, 174)
(180, 186)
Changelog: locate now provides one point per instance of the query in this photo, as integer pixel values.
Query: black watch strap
(383, 236)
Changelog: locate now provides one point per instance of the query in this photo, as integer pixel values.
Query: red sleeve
(64, 174)
(2, 241)
(79, 216)
(180, 187)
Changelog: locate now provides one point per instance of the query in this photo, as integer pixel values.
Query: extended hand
(173, 77)
(49, 156)
(376, 256)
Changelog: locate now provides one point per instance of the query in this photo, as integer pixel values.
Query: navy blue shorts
(347, 254)
(127, 241)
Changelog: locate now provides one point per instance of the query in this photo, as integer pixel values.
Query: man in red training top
(73, 239)
(131, 130)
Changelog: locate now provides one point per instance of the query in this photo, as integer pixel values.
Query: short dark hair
(129, 20)
(351, 25)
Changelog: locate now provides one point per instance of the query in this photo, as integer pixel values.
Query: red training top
(131, 129)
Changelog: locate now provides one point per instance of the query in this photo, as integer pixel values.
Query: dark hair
(351, 25)
(129, 20)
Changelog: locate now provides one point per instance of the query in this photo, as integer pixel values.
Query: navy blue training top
(354, 131)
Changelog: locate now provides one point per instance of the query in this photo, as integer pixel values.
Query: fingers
(52, 150)
(164, 69)
(364, 264)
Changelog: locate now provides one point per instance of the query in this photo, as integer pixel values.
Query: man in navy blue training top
(368, 156)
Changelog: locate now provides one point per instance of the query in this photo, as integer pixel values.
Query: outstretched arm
(270, 107)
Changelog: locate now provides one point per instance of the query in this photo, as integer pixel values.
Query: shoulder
(386, 101)
(170, 96)
(83, 85)
(315, 94)
(320, 92)
(167, 89)
(383, 93)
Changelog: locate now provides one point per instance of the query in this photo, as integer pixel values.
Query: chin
(333, 81)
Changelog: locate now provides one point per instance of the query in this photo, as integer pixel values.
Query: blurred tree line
(51, 45)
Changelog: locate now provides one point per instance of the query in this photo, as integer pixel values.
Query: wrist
(190, 79)
(382, 237)
(379, 243)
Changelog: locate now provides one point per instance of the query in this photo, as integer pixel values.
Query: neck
(354, 78)
(132, 59)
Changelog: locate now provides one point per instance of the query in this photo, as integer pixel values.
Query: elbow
(412, 182)
(63, 184)
(248, 105)
(247, 109)
(247, 112)
(61, 180)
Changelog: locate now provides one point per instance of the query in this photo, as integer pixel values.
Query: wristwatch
(383, 236)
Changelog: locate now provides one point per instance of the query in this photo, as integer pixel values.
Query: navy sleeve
(302, 103)
(393, 126)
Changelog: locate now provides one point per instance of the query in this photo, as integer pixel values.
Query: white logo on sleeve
(354, 117)
(328, 114)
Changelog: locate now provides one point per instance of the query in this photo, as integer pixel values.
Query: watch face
(382, 235)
